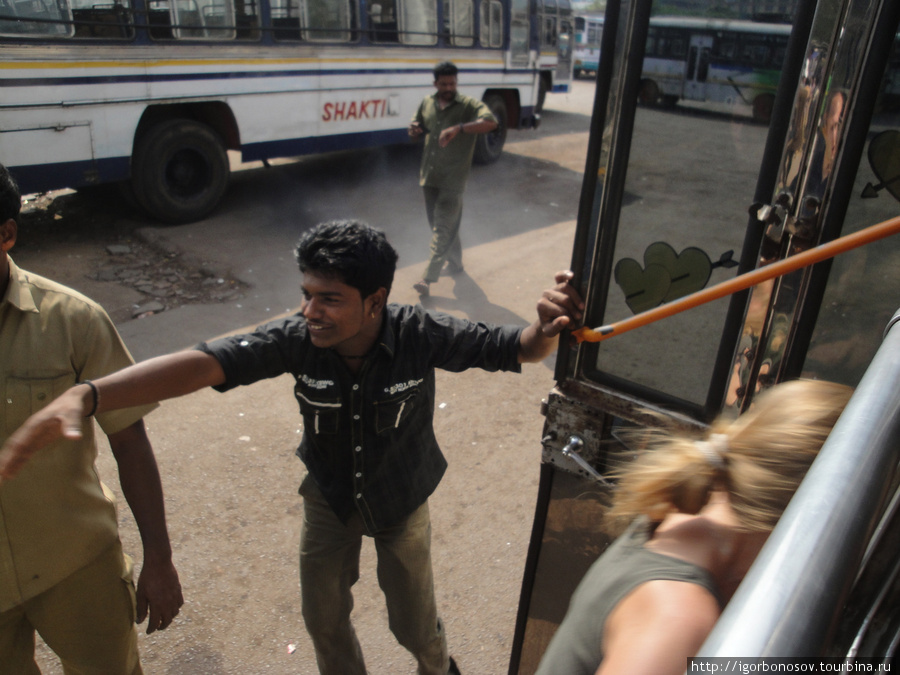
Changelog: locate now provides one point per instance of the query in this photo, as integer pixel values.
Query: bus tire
(648, 94)
(489, 147)
(762, 108)
(179, 170)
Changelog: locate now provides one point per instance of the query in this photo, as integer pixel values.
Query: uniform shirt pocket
(24, 396)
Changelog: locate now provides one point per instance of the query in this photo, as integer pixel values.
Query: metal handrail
(791, 598)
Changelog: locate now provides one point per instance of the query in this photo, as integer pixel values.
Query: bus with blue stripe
(153, 93)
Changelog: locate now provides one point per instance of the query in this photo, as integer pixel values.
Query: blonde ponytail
(759, 459)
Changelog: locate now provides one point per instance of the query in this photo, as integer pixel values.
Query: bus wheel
(762, 108)
(649, 93)
(179, 170)
(489, 147)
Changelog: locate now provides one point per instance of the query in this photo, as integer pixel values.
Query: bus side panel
(667, 73)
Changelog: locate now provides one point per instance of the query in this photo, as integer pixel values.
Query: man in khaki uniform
(450, 122)
(62, 569)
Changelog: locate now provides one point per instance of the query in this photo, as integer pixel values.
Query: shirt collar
(18, 293)
(438, 103)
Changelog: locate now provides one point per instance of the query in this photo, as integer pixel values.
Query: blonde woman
(699, 512)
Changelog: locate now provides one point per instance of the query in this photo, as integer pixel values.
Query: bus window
(549, 38)
(519, 31)
(285, 19)
(246, 15)
(55, 18)
(113, 20)
(418, 22)
(462, 23)
(383, 21)
(326, 20)
(491, 24)
(188, 22)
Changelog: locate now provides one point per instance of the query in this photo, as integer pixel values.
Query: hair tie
(714, 449)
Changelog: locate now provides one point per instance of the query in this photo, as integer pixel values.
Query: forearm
(142, 488)
(534, 345)
(156, 379)
(478, 127)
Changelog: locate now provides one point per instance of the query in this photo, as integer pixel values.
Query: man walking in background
(450, 122)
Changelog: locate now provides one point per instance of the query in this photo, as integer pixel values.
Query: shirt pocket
(24, 396)
(320, 416)
(391, 412)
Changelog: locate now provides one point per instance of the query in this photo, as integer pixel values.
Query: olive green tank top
(625, 565)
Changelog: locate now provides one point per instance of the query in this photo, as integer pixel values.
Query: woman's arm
(656, 628)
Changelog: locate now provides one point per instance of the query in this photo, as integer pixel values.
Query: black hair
(10, 198)
(445, 68)
(351, 251)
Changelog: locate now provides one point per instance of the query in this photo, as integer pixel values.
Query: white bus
(588, 31)
(154, 92)
(714, 60)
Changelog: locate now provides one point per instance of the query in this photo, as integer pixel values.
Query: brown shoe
(421, 287)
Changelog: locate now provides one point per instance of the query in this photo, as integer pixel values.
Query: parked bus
(154, 92)
(663, 213)
(588, 31)
(714, 61)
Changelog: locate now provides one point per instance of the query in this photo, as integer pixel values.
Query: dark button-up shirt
(368, 439)
(448, 168)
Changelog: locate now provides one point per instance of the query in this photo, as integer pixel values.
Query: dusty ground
(231, 478)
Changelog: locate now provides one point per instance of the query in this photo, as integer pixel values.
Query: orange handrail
(743, 281)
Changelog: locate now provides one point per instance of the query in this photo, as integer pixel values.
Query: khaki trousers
(87, 620)
(329, 566)
(444, 211)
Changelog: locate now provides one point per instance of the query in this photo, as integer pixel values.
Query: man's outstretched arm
(157, 379)
(559, 308)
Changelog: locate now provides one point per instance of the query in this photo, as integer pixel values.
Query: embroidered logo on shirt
(316, 384)
(402, 386)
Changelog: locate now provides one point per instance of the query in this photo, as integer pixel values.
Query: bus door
(697, 67)
(663, 213)
(565, 47)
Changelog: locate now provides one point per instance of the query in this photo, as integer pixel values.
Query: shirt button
(355, 387)
(358, 448)
(356, 417)
(359, 475)
(359, 495)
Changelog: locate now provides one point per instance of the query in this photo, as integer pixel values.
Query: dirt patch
(97, 243)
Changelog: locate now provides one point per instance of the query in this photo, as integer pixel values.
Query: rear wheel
(489, 147)
(179, 170)
(649, 93)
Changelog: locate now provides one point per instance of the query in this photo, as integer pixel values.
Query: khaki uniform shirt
(55, 516)
(448, 168)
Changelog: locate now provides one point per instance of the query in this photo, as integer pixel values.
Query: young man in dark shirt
(364, 380)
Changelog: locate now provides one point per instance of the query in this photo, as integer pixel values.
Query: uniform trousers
(444, 211)
(87, 619)
(329, 566)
